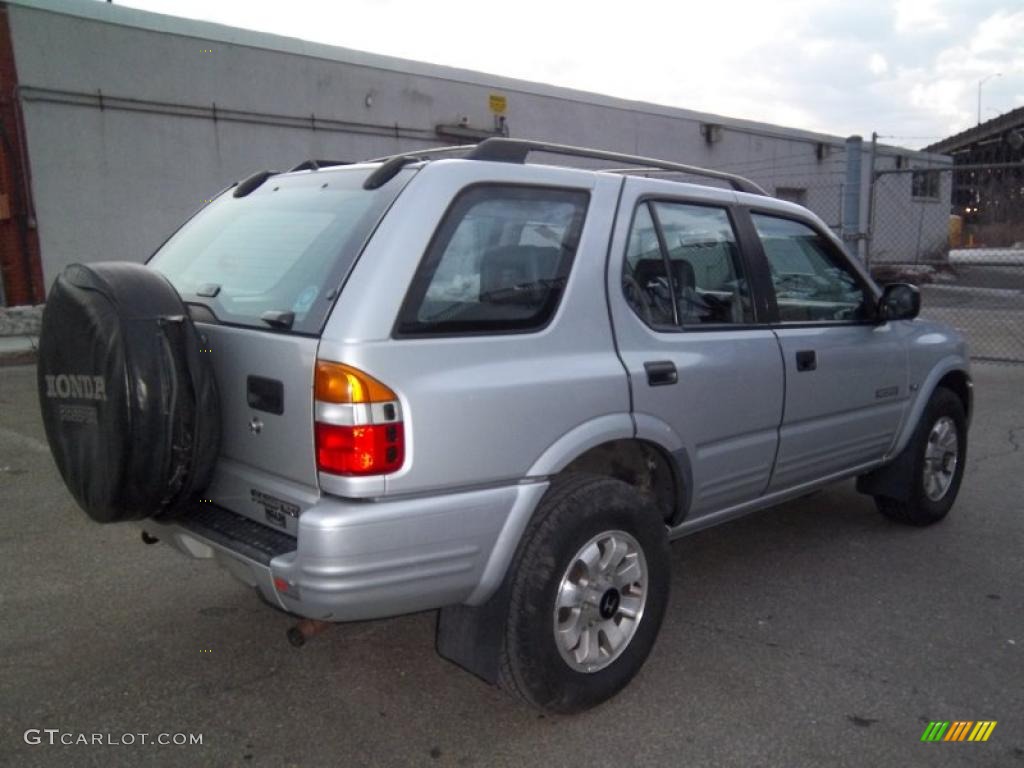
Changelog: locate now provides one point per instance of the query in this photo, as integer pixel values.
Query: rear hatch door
(260, 274)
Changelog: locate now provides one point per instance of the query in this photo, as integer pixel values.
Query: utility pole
(871, 199)
(851, 195)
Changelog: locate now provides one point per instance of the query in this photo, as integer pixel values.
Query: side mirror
(899, 301)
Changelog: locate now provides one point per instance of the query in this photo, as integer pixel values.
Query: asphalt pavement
(814, 634)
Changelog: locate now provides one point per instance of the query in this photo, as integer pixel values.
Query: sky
(908, 69)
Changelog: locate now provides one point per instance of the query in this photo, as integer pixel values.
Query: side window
(812, 282)
(498, 262)
(683, 267)
(645, 273)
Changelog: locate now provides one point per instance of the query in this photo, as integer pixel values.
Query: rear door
(846, 375)
(704, 367)
(260, 274)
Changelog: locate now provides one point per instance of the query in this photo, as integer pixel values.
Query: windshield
(284, 248)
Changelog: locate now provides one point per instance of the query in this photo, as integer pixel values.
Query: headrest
(648, 270)
(683, 274)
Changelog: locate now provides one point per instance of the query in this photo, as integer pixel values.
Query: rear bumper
(358, 560)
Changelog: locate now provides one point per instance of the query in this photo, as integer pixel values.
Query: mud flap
(473, 636)
(894, 480)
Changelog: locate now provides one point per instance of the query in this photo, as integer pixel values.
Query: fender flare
(580, 439)
(557, 456)
(623, 426)
(946, 365)
(653, 430)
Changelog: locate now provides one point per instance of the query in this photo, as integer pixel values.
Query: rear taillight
(358, 423)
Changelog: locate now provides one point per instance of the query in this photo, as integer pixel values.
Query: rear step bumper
(362, 560)
(240, 545)
(241, 535)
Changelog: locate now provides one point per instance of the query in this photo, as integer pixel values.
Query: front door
(846, 375)
(705, 372)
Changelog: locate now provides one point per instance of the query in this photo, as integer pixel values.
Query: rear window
(285, 247)
(498, 262)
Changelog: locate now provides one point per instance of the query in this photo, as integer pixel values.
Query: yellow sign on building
(498, 103)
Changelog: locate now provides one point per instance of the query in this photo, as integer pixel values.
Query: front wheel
(589, 590)
(938, 452)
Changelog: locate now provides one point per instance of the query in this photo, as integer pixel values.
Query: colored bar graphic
(958, 730)
(982, 730)
(935, 730)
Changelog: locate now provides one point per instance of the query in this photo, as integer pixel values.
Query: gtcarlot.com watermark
(55, 736)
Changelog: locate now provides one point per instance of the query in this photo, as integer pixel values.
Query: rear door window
(498, 262)
(683, 267)
(285, 247)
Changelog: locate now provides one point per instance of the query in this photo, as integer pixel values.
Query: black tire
(918, 508)
(128, 399)
(577, 508)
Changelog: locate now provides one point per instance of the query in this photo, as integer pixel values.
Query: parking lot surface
(814, 634)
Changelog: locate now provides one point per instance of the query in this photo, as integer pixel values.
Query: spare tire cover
(127, 393)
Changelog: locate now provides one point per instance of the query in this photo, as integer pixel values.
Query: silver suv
(457, 380)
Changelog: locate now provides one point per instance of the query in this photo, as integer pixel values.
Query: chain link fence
(958, 233)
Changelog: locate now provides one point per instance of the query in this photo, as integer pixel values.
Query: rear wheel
(589, 590)
(938, 455)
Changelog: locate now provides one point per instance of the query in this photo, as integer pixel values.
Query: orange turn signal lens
(337, 383)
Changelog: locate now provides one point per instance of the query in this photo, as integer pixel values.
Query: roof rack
(517, 150)
(316, 165)
(505, 150)
(416, 153)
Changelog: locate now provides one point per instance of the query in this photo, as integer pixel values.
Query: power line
(910, 138)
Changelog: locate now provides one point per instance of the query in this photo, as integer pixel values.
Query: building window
(924, 185)
(796, 195)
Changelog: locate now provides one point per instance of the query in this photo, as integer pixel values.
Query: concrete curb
(21, 321)
(18, 350)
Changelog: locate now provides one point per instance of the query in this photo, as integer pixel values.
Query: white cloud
(877, 64)
(813, 49)
(919, 16)
(999, 32)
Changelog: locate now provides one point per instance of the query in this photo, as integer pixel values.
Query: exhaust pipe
(305, 630)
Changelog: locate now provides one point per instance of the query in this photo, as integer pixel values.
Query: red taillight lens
(370, 449)
(358, 423)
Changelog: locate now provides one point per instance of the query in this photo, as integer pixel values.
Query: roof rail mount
(387, 171)
(252, 183)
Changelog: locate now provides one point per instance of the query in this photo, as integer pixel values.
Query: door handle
(806, 360)
(661, 373)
